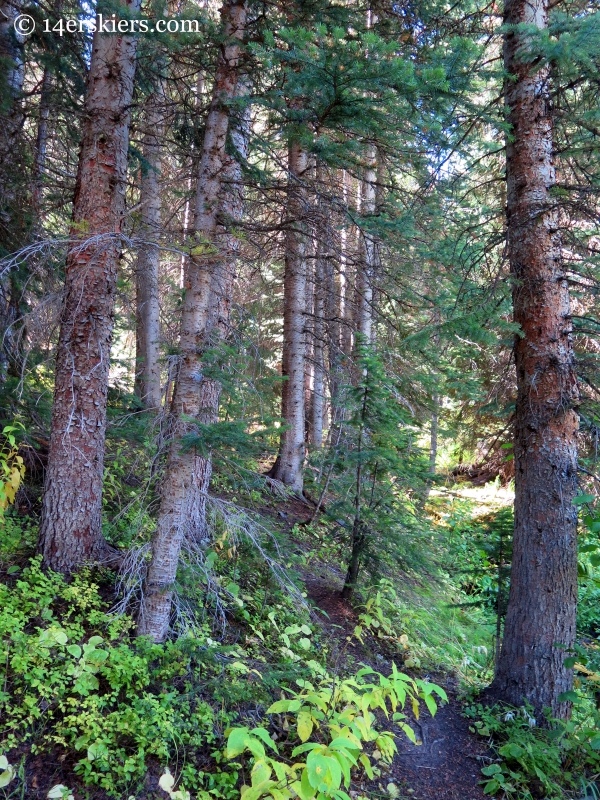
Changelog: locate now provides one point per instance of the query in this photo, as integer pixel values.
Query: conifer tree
(147, 380)
(71, 526)
(288, 466)
(540, 620)
(179, 495)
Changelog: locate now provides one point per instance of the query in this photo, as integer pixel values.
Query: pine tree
(540, 619)
(179, 492)
(71, 525)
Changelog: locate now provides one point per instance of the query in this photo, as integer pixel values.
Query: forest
(299, 399)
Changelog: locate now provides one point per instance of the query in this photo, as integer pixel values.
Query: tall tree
(540, 619)
(179, 495)
(366, 272)
(12, 205)
(318, 393)
(218, 324)
(147, 328)
(71, 526)
(288, 467)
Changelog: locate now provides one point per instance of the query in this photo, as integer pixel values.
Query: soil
(447, 763)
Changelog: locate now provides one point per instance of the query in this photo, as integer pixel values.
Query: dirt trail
(446, 766)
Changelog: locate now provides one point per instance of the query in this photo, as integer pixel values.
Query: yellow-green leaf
(305, 725)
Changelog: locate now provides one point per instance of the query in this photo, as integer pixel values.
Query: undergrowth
(251, 699)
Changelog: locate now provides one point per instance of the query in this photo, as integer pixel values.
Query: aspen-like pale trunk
(540, 619)
(366, 273)
(333, 334)
(320, 289)
(179, 490)
(71, 526)
(288, 467)
(334, 313)
(231, 207)
(309, 330)
(147, 330)
(318, 393)
(345, 307)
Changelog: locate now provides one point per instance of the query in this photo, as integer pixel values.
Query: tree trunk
(12, 73)
(147, 330)
(309, 343)
(12, 199)
(71, 526)
(345, 307)
(179, 490)
(334, 312)
(231, 208)
(543, 591)
(358, 532)
(288, 467)
(318, 395)
(369, 251)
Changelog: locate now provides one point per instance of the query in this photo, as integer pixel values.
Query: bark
(369, 251)
(345, 306)
(12, 73)
(179, 490)
(231, 205)
(71, 526)
(543, 592)
(320, 291)
(12, 198)
(147, 331)
(309, 347)
(358, 531)
(318, 394)
(288, 467)
(334, 311)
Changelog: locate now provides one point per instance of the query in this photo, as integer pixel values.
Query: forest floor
(446, 765)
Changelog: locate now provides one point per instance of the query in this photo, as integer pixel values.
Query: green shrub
(72, 677)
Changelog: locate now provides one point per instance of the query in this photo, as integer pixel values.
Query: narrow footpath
(446, 765)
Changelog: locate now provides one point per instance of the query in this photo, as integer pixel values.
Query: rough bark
(180, 483)
(71, 526)
(543, 592)
(147, 330)
(288, 467)
(231, 208)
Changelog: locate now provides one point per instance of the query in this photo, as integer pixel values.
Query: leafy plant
(7, 771)
(12, 468)
(72, 679)
(336, 727)
(535, 761)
